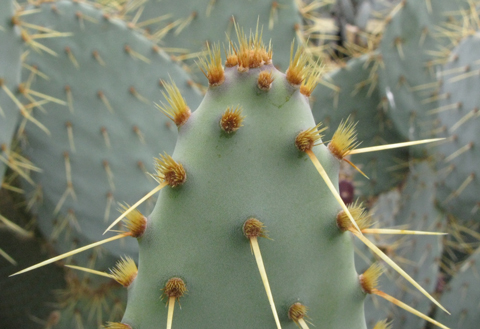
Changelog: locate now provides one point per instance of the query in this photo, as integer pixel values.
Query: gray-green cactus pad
(196, 22)
(459, 173)
(358, 96)
(408, 47)
(105, 135)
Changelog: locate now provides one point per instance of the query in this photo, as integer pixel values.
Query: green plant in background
(392, 92)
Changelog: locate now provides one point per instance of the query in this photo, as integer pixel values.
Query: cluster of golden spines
(306, 140)
(125, 271)
(369, 283)
(169, 171)
(298, 65)
(344, 139)
(369, 278)
(382, 325)
(211, 66)
(253, 228)
(232, 59)
(311, 79)
(175, 287)
(250, 52)
(177, 109)
(358, 213)
(265, 80)
(297, 312)
(135, 222)
(116, 325)
(232, 120)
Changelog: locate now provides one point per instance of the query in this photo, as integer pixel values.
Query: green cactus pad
(408, 47)
(462, 296)
(195, 230)
(109, 77)
(418, 211)
(459, 173)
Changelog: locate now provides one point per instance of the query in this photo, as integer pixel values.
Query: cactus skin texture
(458, 164)
(461, 295)
(195, 230)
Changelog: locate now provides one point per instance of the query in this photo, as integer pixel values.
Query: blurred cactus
(100, 138)
(10, 54)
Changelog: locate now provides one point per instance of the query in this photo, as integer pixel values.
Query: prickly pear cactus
(249, 163)
(458, 164)
(241, 155)
(462, 295)
(409, 80)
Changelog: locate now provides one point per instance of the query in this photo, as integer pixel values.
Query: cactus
(461, 295)
(248, 160)
(409, 80)
(240, 172)
(355, 94)
(399, 20)
(458, 178)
